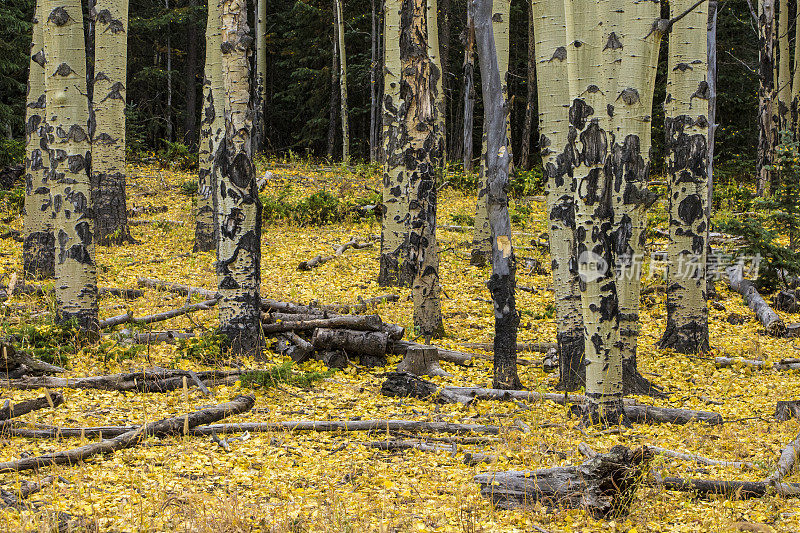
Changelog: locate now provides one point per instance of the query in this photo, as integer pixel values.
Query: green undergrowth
(283, 373)
(318, 209)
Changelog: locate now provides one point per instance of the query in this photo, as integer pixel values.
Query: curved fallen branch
(320, 260)
(730, 488)
(786, 462)
(768, 318)
(700, 459)
(158, 317)
(12, 358)
(162, 428)
(359, 322)
(9, 410)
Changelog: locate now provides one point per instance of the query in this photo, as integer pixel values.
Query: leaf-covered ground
(287, 481)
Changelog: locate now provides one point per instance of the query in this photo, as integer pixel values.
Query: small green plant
(462, 219)
(318, 209)
(189, 188)
(526, 183)
(12, 152)
(111, 350)
(205, 348)
(11, 202)
(549, 312)
(52, 343)
(282, 373)
(177, 156)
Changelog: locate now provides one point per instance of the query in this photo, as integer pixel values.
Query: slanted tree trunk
(634, 59)
(482, 239)
(469, 88)
(343, 83)
(588, 75)
(259, 129)
(527, 128)
(212, 131)
(420, 154)
(70, 159)
(190, 77)
(236, 197)
(502, 284)
(108, 142)
(434, 52)
(766, 94)
(38, 249)
(686, 125)
(394, 270)
(557, 161)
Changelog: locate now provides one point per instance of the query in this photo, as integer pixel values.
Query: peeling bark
(469, 87)
(236, 196)
(38, 249)
(70, 161)
(259, 129)
(686, 125)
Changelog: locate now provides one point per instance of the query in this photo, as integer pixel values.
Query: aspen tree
(686, 125)
(795, 102)
(373, 84)
(108, 141)
(259, 131)
(784, 78)
(236, 196)
(589, 143)
(38, 249)
(436, 58)
(420, 154)
(557, 160)
(527, 128)
(343, 84)
(469, 88)
(502, 283)
(212, 132)
(70, 158)
(394, 235)
(767, 129)
(482, 239)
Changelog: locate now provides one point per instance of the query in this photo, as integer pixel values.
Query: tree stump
(604, 485)
(422, 361)
(406, 385)
(333, 358)
(786, 410)
(786, 301)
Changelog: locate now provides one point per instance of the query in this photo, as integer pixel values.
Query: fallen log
(730, 489)
(359, 322)
(16, 498)
(363, 305)
(13, 358)
(415, 426)
(128, 294)
(542, 347)
(320, 260)
(303, 348)
(361, 342)
(785, 410)
(158, 317)
(147, 222)
(162, 428)
(407, 385)
(604, 484)
(783, 364)
(154, 380)
(177, 288)
(768, 318)
(700, 459)
(450, 356)
(156, 337)
(391, 445)
(786, 462)
(9, 410)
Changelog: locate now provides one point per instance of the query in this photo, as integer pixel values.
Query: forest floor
(306, 481)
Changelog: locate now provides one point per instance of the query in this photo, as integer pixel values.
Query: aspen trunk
(261, 76)
(434, 52)
(444, 47)
(420, 153)
(108, 142)
(70, 159)
(795, 104)
(343, 84)
(553, 98)
(212, 131)
(588, 75)
(766, 94)
(394, 270)
(527, 128)
(190, 77)
(373, 81)
(713, 11)
(784, 89)
(236, 196)
(334, 99)
(633, 60)
(38, 249)
(502, 284)
(469, 88)
(686, 125)
(482, 240)
(169, 79)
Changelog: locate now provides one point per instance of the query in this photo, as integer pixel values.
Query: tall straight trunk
(108, 142)
(190, 77)
(38, 249)
(527, 128)
(766, 95)
(373, 81)
(589, 143)
(420, 153)
(686, 125)
(236, 197)
(795, 105)
(379, 67)
(444, 51)
(394, 269)
(713, 11)
(169, 79)
(469, 88)
(343, 84)
(212, 132)
(259, 127)
(553, 99)
(70, 160)
(334, 99)
(634, 60)
(502, 284)
(784, 78)
(434, 52)
(482, 239)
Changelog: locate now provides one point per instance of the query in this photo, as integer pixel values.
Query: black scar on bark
(560, 54)
(84, 233)
(690, 209)
(76, 163)
(39, 254)
(579, 113)
(506, 325)
(64, 70)
(564, 213)
(613, 42)
(690, 338)
(622, 238)
(40, 103)
(59, 16)
(79, 253)
(39, 58)
(572, 365)
(594, 144)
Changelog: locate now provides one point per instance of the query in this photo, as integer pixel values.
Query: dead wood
(542, 347)
(128, 294)
(145, 222)
(149, 380)
(406, 385)
(359, 322)
(9, 410)
(729, 488)
(700, 459)
(342, 248)
(422, 361)
(303, 348)
(783, 364)
(157, 260)
(786, 462)
(604, 484)
(13, 358)
(352, 341)
(162, 428)
(785, 410)
(333, 358)
(16, 498)
(363, 305)
(177, 288)
(156, 337)
(450, 356)
(158, 317)
(391, 445)
(768, 318)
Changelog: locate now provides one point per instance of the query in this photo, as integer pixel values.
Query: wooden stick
(768, 318)
(730, 488)
(699, 459)
(783, 364)
(162, 428)
(360, 322)
(542, 347)
(158, 317)
(9, 411)
(786, 462)
(320, 260)
(12, 358)
(153, 380)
